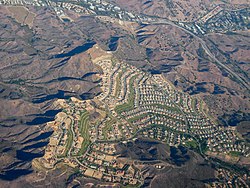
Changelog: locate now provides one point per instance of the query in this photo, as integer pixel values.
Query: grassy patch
(194, 103)
(203, 145)
(84, 128)
(235, 153)
(118, 83)
(131, 97)
(181, 101)
(132, 186)
(137, 117)
(69, 141)
(108, 126)
(173, 109)
(192, 144)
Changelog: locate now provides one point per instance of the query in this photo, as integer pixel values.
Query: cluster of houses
(109, 130)
(66, 138)
(167, 136)
(101, 163)
(228, 179)
(145, 98)
(227, 141)
(58, 140)
(156, 102)
(109, 168)
(210, 14)
(23, 2)
(219, 19)
(75, 107)
(188, 104)
(59, 7)
(89, 7)
(113, 97)
(135, 105)
(105, 147)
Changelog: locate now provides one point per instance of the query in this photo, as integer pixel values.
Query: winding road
(203, 44)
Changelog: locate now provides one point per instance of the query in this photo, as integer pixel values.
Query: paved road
(204, 46)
